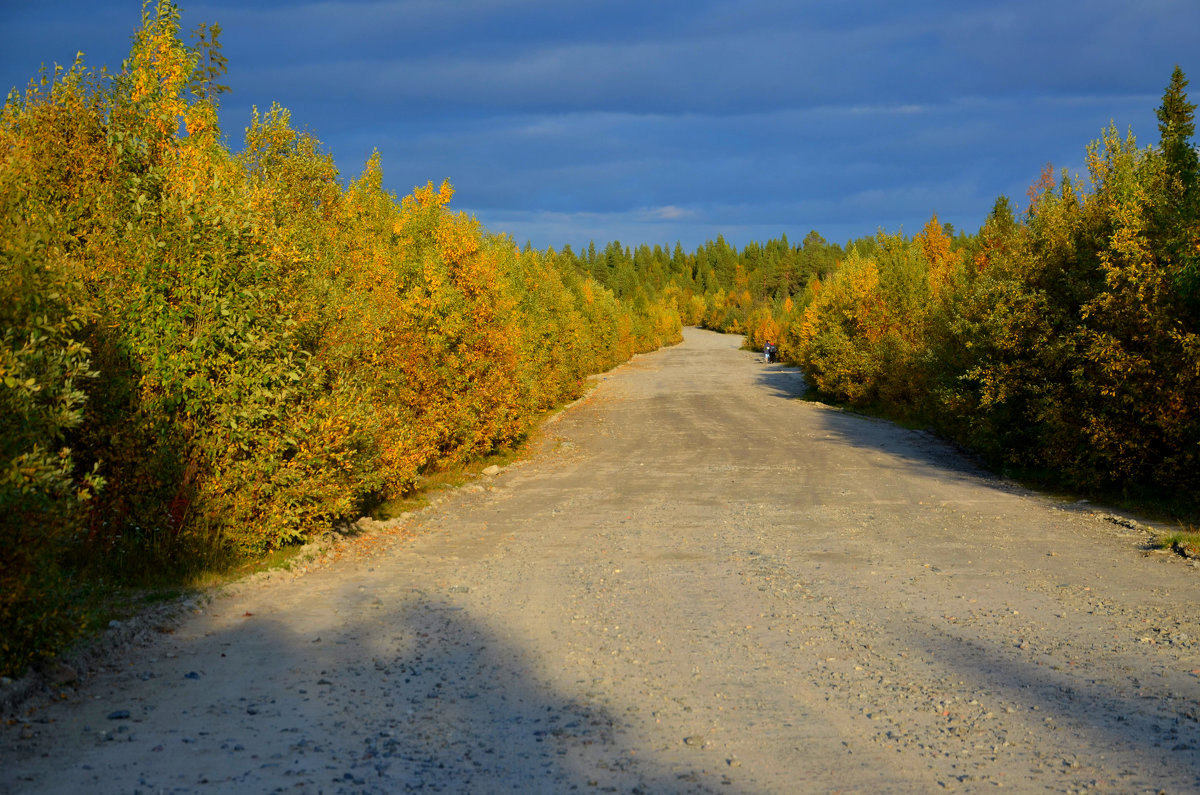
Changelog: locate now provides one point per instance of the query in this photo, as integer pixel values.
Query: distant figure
(770, 352)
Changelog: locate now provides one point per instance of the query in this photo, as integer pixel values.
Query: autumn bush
(44, 365)
(208, 355)
(864, 336)
(1076, 343)
(1064, 343)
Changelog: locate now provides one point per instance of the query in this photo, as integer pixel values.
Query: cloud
(827, 167)
(684, 120)
(667, 213)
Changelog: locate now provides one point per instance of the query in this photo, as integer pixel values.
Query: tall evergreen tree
(1178, 216)
(1176, 126)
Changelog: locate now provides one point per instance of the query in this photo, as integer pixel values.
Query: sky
(564, 122)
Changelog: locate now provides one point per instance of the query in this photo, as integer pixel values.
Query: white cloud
(667, 213)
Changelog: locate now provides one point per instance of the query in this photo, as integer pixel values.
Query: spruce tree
(1178, 215)
(1176, 126)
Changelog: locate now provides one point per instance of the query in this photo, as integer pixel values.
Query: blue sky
(569, 121)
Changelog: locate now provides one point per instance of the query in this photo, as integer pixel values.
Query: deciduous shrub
(242, 351)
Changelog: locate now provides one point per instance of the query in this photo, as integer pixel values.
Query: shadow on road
(784, 382)
(1154, 728)
(931, 454)
(411, 694)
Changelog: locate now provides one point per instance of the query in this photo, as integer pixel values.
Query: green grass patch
(1184, 542)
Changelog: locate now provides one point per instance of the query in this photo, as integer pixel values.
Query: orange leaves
(428, 197)
(1044, 182)
(447, 353)
(943, 262)
(159, 68)
(273, 351)
(457, 241)
(200, 121)
(934, 242)
(863, 337)
(763, 327)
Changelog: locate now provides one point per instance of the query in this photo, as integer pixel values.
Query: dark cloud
(562, 122)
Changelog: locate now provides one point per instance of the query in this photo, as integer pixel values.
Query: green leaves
(43, 366)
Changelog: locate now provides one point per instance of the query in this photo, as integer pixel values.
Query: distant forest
(1061, 340)
(208, 355)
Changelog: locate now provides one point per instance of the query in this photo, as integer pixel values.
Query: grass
(1185, 542)
(275, 560)
(97, 604)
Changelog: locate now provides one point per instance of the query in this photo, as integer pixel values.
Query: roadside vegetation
(1060, 342)
(209, 356)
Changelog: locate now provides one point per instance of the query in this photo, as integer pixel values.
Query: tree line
(1061, 341)
(210, 354)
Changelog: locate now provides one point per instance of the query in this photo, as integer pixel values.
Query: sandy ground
(697, 584)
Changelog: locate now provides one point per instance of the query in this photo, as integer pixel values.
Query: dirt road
(698, 584)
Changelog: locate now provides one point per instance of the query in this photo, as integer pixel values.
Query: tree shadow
(411, 693)
(1154, 727)
(783, 382)
(931, 455)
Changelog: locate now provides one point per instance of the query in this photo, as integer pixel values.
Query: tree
(211, 64)
(1176, 126)
(1177, 220)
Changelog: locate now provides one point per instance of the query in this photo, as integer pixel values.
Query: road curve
(697, 583)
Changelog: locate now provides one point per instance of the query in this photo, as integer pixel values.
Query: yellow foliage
(943, 263)
(275, 351)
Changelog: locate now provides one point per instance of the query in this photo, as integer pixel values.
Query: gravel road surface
(695, 583)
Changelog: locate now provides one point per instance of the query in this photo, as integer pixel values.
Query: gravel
(696, 583)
